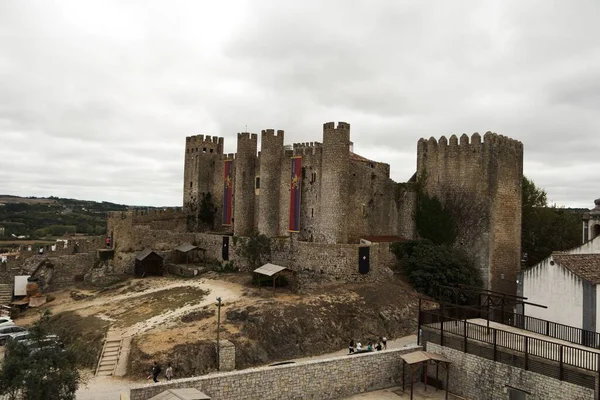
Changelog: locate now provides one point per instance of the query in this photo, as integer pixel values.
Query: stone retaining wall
(476, 377)
(322, 379)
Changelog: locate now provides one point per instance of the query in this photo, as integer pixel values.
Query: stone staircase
(6, 292)
(110, 356)
(113, 360)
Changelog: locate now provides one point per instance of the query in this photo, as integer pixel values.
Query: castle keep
(324, 193)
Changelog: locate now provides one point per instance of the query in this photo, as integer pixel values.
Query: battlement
(340, 126)
(204, 139)
(247, 136)
(148, 213)
(271, 133)
(490, 140)
(228, 156)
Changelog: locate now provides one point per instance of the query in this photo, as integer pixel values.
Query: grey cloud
(96, 98)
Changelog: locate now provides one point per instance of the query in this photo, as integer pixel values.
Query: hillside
(37, 218)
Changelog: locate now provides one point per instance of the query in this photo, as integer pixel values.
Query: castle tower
(483, 179)
(334, 182)
(271, 152)
(245, 173)
(201, 154)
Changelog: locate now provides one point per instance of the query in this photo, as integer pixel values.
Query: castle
(324, 193)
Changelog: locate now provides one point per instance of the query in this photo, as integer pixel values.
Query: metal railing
(564, 355)
(532, 324)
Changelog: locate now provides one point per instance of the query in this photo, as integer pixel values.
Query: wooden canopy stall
(181, 394)
(188, 253)
(424, 359)
(147, 262)
(271, 270)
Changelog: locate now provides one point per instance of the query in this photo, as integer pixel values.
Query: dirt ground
(172, 318)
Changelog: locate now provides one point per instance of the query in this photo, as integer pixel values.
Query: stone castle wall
(475, 377)
(489, 174)
(330, 378)
(343, 197)
(337, 261)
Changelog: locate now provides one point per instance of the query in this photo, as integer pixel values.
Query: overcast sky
(97, 97)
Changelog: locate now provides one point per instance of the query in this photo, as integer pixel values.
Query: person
(351, 347)
(155, 371)
(370, 346)
(358, 346)
(169, 372)
(384, 341)
(379, 346)
(41, 251)
(108, 241)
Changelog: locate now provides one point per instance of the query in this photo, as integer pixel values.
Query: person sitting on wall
(351, 347)
(379, 346)
(358, 346)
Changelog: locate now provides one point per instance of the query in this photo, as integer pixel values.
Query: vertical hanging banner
(295, 186)
(227, 192)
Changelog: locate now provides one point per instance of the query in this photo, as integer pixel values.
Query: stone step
(109, 359)
(105, 368)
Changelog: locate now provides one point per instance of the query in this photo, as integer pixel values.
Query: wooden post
(425, 364)
(437, 378)
(412, 380)
(447, 379)
(403, 374)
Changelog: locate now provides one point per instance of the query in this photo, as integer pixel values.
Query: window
(211, 150)
(204, 150)
(191, 185)
(312, 212)
(257, 184)
(313, 177)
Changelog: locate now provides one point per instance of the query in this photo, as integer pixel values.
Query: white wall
(557, 288)
(590, 247)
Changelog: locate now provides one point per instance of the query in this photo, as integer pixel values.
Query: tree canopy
(48, 373)
(545, 229)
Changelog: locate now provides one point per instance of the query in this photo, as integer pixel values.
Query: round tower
(271, 151)
(334, 182)
(243, 195)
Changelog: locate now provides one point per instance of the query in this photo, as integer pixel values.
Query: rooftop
(586, 266)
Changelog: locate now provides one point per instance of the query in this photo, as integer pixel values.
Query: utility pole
(218, 332)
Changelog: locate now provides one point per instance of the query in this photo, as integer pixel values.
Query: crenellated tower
(483, 178)
(201, 154)
(271, 153)
(245, 173)
(334, 182)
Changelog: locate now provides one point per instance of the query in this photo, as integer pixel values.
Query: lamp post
(218, 331)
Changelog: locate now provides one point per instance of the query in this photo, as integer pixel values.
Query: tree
(427, 265)
(47, 373)
(545, 229)
(256, 249)
(207, 210)
(433, 221)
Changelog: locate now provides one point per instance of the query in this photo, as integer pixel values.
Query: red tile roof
(585, 266)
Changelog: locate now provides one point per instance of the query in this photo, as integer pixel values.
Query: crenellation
(344, 197)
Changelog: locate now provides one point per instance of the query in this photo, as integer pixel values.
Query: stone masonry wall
(324, 379)
(489, 172)
(478, 378)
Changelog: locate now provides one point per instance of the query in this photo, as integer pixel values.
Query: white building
(568, 282)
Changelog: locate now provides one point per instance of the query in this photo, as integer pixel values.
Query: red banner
(227, 192)
(295, 188)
